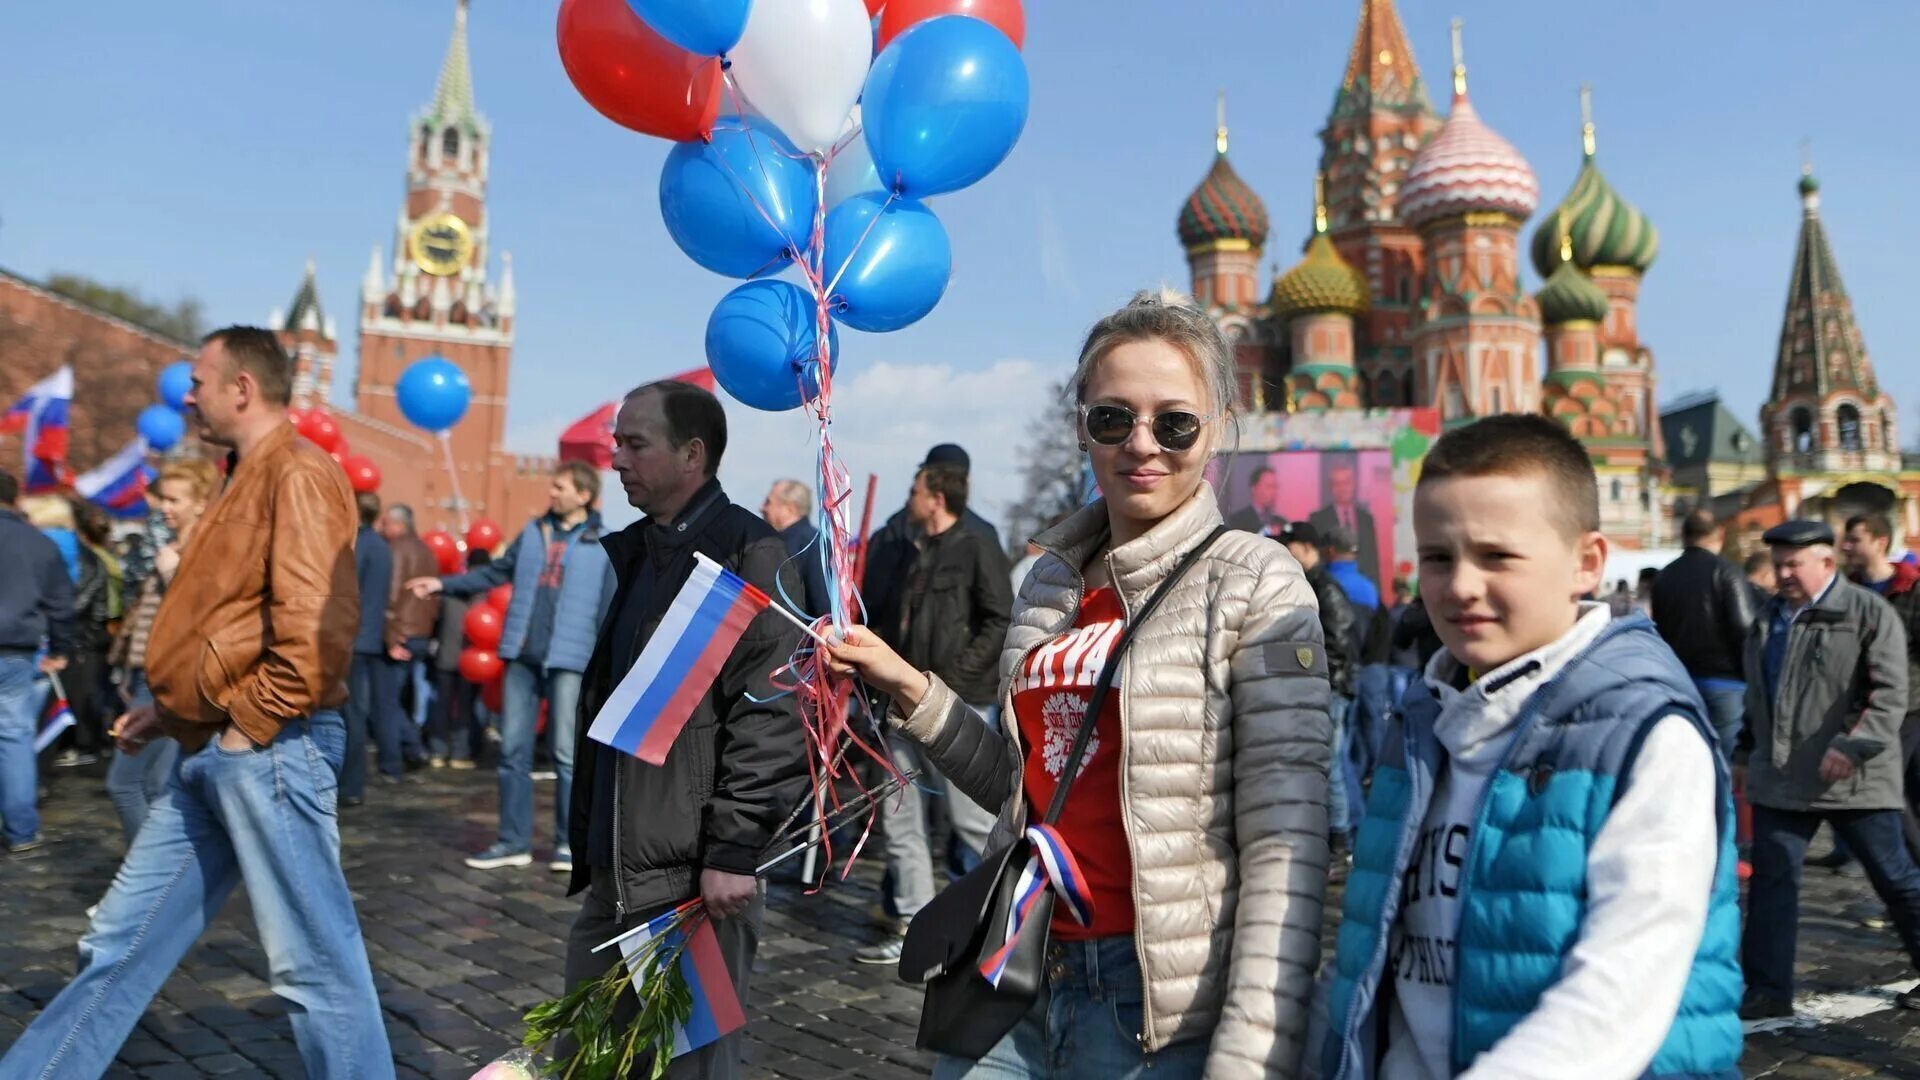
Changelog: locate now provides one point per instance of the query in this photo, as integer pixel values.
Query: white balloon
(852, 170)
(803, 63)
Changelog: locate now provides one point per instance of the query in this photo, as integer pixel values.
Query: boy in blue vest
(1544, 882)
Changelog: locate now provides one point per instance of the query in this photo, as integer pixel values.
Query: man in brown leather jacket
(409, 629)
(246, 660)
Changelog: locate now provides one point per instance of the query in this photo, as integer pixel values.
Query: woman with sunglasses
(1198, 817)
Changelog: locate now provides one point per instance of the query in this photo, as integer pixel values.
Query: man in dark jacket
(954, 610)
(1826, 668)
(373, 563)
(891, 550)
(788, 507)
(36, 606)
(651, 837)
(409, 626)
(1337, 628)
(1703, 608)
(1867, 545)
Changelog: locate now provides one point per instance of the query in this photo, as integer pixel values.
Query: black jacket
(955, 606)
(890, 554)
(91, 604)
(36, 596)
(1415, 631)
(1703, 608)
(740, 764)
(1336, 627)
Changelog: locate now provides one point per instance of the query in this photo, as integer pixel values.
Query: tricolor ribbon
(1051, 866)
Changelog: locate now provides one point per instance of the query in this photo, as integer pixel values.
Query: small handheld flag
(646, 712)
(58, 719)
(41, 413)
(119, 484)
(716, 1004)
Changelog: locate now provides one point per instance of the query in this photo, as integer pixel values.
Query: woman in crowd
(81, 681)
(1198, 818)
(181, 492)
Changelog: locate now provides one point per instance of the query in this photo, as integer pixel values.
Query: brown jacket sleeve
(313, 607)
(410, 617)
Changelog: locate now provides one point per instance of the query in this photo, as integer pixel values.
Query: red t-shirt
(1050, 697)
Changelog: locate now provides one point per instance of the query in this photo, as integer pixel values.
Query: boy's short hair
(1519, 444)
(1698, 526)
(950, 483)
(584, 478)
(1878, 526)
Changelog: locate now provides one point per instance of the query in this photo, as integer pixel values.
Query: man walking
(651, 837)
(247, 662)
(1826, 672)
(955, 608)
(404, 637)
(1704, 610)
(1868, 546)
(36, 606)
(891, 550)
(561, 588)
(788, 507)
(373, 568)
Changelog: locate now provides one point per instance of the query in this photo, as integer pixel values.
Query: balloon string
(453, 475)
(868, 231)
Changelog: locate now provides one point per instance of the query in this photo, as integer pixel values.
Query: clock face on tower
(441, 244)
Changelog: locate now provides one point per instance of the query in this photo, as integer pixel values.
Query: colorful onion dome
(1468, 167)
(1570, 296)
(1323, 281)
(1223, 208)
(1606, 229)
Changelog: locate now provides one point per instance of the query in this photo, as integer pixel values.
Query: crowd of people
(1539, 800)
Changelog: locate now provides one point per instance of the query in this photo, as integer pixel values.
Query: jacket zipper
(1145, 1035)
(619, 876)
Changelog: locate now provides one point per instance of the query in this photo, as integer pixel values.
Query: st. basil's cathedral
(1410, 294)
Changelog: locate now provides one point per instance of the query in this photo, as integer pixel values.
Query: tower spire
(1220, 123)
(1459, 63)
(1319, 201)
(1586, 118)
(453, 93)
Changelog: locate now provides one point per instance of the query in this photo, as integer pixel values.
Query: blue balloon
(944, 104)
(161, 426)
(175, 382)
(433, 393)
(702, 27)
(713, 194)
(762, 344)
(892, 258)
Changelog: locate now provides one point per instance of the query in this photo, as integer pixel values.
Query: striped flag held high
(645, 713)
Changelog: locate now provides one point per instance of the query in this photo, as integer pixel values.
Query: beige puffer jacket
(1223, 719)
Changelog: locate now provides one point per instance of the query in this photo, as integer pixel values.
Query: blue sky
(209, 148)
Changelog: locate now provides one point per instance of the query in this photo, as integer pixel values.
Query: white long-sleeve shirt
(1649, 876)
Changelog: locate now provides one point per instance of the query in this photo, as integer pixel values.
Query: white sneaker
(496, 857)
(545, 774)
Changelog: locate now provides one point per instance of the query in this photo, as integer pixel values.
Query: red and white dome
(1467, 167)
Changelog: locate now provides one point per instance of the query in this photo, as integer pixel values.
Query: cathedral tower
(1468, 191)
(1223, 226)
(1318, 301)
(309, 336)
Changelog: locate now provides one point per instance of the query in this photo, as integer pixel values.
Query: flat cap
(1799, 534)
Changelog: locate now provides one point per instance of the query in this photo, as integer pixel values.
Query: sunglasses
(1111, 425)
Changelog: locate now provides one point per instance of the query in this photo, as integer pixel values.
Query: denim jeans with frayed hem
(265, 816)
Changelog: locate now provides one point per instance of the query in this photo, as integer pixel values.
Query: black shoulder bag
(964, 1014)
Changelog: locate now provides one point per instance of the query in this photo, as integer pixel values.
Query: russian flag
(119, 484)
(645, 713)
(57, 721)
(716, 1004)
(42, 414)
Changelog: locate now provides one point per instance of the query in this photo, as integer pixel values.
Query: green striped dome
(1606, 229)
(1320, 282)
(1223, 207)
(1569, 296)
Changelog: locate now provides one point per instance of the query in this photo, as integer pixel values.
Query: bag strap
(1107, 672)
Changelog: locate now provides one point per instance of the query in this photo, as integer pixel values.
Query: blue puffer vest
(585, 586)
(1523, 894)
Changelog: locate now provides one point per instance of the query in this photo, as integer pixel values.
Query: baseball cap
(948, 454)
(1338, 538)
(1299, 532)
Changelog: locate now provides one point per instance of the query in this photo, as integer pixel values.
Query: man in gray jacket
(1826, 668)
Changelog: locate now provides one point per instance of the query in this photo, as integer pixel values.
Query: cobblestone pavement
(459, 955)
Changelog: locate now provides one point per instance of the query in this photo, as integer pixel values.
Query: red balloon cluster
(483, 625)
(901, 14)
(635, 77)
(480, 663)
(484, 535)
(446, 550)
(364, 475)
(320, 430)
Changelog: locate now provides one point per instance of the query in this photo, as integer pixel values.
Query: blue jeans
(1726, 710)
(136, 781)
(264, 816)
(361, 698)
(1087, 1022)
(394, 732)
(19, 774)
(1780, 840)
(525, 686)
(420, 671)
(1339, 796)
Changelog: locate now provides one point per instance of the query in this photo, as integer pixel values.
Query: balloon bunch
(163, 424)
(480, 662)
(320, 429)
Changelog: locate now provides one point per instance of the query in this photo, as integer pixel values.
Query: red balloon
(480, 665)
(482, 627)
(484, 535)
(635, 77)
(493, 696)
(364, 475)
(296, 417)
(874, 6)
(325, 434)
(901, 14)
(445, 551)
(499, 597)
(339, 457)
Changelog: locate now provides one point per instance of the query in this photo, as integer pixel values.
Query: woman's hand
(861, 652)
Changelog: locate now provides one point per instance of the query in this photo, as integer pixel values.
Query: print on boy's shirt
(555, 567)
(1069, 664)
(1422, 946)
